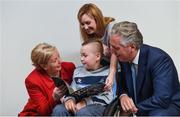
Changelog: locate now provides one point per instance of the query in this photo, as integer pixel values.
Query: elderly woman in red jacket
(43, 95)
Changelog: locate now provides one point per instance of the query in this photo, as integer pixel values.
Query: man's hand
(127, 104)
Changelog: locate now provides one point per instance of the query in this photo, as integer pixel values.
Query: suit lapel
(129, 81)
(141, 67)
(47, 81)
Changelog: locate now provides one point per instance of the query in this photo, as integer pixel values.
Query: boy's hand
(80, 104)
(70, 105)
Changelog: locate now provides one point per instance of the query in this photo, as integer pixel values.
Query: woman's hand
(106, 51)
(112, 71)
(59, 92)
(109, 83)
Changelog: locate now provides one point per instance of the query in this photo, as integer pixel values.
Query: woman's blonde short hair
(41, 54)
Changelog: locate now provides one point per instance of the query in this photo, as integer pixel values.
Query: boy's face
(90, 58)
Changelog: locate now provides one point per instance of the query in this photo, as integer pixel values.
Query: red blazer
(40, 88)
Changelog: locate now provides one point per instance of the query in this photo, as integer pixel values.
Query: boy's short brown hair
(97, 43)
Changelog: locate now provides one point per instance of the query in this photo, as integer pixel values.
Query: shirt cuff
(122, 95)
(67, 98)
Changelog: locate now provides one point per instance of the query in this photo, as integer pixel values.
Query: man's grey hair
(129, 33)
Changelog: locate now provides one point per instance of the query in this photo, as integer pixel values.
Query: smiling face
(123, 53)
(88, 24)
(53, 66)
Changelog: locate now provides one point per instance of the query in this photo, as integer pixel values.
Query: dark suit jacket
(157, 80)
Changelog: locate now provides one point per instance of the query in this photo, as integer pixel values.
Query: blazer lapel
(47, 81)
(141, 68)
(129, 81)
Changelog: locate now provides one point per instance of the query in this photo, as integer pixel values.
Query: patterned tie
(134, 74)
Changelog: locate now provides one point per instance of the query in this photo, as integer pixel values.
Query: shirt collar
(136, 59)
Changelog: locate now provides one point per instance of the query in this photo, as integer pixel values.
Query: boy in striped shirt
(90, 73)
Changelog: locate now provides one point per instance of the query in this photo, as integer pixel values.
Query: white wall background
(25, 23)
(178, 40)
(0, 57)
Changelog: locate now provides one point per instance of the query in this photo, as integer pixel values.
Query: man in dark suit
(149, 82)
